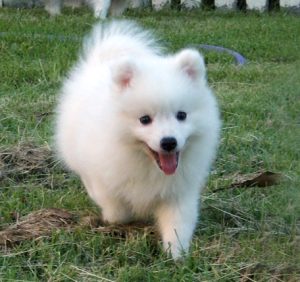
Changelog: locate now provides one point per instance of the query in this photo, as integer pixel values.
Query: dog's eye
(181, 116)
(145, 120)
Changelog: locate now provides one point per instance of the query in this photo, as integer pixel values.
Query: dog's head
(162, 102)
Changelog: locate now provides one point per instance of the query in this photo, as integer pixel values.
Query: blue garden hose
(239, 59)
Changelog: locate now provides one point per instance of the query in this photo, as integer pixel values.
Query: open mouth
(167, 162)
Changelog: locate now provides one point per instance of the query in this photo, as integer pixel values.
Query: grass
(243, 234)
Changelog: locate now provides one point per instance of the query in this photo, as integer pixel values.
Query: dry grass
(43, 223)
(35, 225)
(26, 160)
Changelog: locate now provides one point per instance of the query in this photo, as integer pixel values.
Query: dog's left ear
(191, 62)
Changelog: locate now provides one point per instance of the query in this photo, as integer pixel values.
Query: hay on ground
(43, 223)
(36, 224)
(24, 160)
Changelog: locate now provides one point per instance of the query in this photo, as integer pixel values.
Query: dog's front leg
(177, 220)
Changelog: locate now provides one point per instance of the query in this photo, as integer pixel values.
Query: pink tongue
(168, 163)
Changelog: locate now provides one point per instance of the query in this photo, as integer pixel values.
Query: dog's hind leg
(101, 8)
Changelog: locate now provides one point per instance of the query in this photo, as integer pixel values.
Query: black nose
(168, 143)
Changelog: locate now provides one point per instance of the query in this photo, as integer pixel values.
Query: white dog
(141, 130)
(101, 8)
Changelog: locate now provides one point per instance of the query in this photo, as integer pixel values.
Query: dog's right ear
(123, 73)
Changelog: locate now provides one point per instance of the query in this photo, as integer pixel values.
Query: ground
(244, 233)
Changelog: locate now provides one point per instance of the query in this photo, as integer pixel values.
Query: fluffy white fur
(121, 77)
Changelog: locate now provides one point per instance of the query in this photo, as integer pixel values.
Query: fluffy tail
(118, 38)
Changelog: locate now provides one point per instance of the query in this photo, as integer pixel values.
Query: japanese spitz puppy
(101, 8)
(140, 129)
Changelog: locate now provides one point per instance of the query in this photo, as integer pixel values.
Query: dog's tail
(108, 41)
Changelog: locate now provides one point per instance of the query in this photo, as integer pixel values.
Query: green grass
(242, 233)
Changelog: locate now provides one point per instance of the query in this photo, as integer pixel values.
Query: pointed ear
(123, 73)
(192, 63)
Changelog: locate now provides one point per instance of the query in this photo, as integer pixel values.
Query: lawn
(244, 234)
